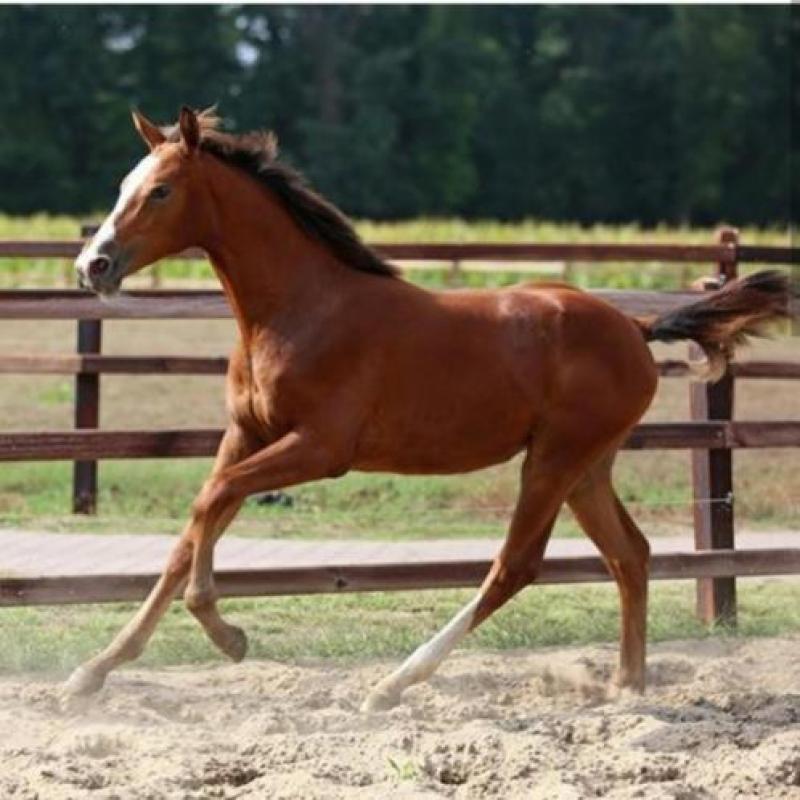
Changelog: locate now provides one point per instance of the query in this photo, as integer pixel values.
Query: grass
(134, 495)
(154, 496)
(382, 625)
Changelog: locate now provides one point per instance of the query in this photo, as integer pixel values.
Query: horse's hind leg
(548, 473)
(626, 553)
(500, 585)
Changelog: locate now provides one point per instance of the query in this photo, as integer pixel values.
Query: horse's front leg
(130, 641)
(208, 524)
(295, 458)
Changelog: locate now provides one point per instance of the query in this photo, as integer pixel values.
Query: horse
(342, 365)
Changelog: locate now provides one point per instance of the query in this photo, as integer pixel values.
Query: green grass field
(154, 496)
(351, 627)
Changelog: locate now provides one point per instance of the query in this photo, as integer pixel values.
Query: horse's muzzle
(98, 266)
(98, 271)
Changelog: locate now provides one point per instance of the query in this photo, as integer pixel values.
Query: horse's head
(160, 211)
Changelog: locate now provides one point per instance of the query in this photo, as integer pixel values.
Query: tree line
(605, 113)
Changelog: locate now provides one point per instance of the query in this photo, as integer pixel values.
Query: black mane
(256, 154)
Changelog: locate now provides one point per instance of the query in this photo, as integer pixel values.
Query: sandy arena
(721, 720)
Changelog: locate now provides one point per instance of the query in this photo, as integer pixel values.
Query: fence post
(455, 275)
(87, 415)
(712, 474)
(87, 412)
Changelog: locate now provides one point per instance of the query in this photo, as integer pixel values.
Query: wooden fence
(711, 434)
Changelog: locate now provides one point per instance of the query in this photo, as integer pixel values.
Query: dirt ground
(721, 720)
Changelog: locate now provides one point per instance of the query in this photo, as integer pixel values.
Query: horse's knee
(215, 495)
(179, 561)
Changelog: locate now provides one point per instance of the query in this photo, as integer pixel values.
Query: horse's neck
(267, 266)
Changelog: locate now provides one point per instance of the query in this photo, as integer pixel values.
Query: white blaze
(107, 231)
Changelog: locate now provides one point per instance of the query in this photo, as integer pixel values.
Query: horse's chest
(257, 397)
(256, 405)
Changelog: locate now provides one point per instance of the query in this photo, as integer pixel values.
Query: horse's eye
(159, 192)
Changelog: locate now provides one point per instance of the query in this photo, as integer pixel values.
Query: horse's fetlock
(199, 599)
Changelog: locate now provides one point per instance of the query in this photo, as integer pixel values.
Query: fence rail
(69, 248)
(149, 304)
(712, 434)
(432, 251)
(393, 576)
(192, 443)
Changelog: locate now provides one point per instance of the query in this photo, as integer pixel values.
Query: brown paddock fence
(711, 434)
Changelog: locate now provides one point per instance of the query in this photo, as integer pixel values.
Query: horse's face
(159, 211)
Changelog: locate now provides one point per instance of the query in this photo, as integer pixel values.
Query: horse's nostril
(99, 265)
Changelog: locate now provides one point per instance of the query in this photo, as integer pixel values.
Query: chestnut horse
(341, 365)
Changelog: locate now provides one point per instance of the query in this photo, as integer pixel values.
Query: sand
(721, 719)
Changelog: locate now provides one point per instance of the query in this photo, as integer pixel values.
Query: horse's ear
(151, 133)
(190, 129)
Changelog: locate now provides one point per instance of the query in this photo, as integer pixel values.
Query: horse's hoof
(235, 644)
(83, 682)
(380, 700)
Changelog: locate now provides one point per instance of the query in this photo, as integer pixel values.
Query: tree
(612, 113)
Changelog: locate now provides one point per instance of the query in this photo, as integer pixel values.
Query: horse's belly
(450, 434)
(435, 460)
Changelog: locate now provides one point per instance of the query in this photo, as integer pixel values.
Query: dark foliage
(602, 113)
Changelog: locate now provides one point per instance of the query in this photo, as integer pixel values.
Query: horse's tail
(724, 319)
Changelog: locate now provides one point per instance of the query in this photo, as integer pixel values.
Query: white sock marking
(426, 658)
